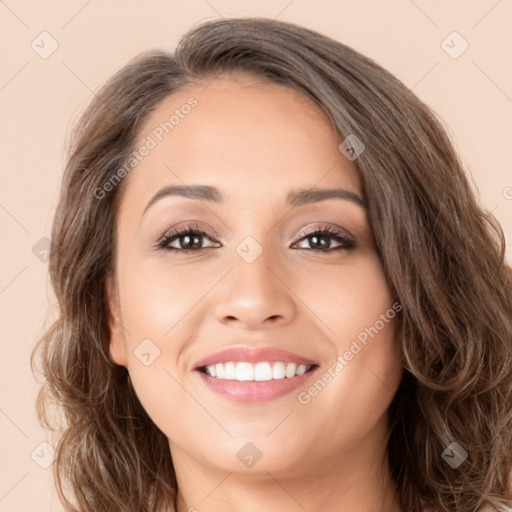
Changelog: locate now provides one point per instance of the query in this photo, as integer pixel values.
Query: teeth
(301, 370)
(278, 371)
(263, 371)
(244, 371)
(290, 370)
(255, 372)
(229, 371)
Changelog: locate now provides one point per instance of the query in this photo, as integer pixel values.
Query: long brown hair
(442, 254)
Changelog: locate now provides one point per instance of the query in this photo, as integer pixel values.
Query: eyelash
(336, 234)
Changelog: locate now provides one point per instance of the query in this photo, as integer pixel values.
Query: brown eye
(320, 240)
(190, 239)
(186, 239)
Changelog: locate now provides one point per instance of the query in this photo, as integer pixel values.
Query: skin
(255, 141)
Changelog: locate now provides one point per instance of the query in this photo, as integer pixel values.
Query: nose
(256, 295)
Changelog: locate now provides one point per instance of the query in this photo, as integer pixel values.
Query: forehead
(241, 130)
(235, 96)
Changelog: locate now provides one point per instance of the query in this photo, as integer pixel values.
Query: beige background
(40, 97)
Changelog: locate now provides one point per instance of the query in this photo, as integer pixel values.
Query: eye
(320, 237)
(187, 239)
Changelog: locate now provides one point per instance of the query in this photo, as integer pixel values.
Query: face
(267, 319)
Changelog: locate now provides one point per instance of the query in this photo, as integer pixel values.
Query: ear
(116, 346)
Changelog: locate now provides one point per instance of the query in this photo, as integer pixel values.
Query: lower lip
(252, 391)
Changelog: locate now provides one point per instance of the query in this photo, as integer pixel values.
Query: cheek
(360, 316)
(159, 305)
(348, 299)
(158, 297)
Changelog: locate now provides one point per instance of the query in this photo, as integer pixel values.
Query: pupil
(194, 243)
(321, 240)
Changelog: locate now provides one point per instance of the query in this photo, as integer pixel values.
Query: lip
(254, 391)
(252, 355)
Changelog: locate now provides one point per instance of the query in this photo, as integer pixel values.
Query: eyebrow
(300, 197)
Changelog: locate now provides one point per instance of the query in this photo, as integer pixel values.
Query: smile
(264, 371)
(244, 374)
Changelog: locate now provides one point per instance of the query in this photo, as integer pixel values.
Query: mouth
(248, 372)
(254, 375)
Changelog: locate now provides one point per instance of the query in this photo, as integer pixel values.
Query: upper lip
(252, 355)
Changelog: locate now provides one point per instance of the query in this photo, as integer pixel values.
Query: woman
(277, 291)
